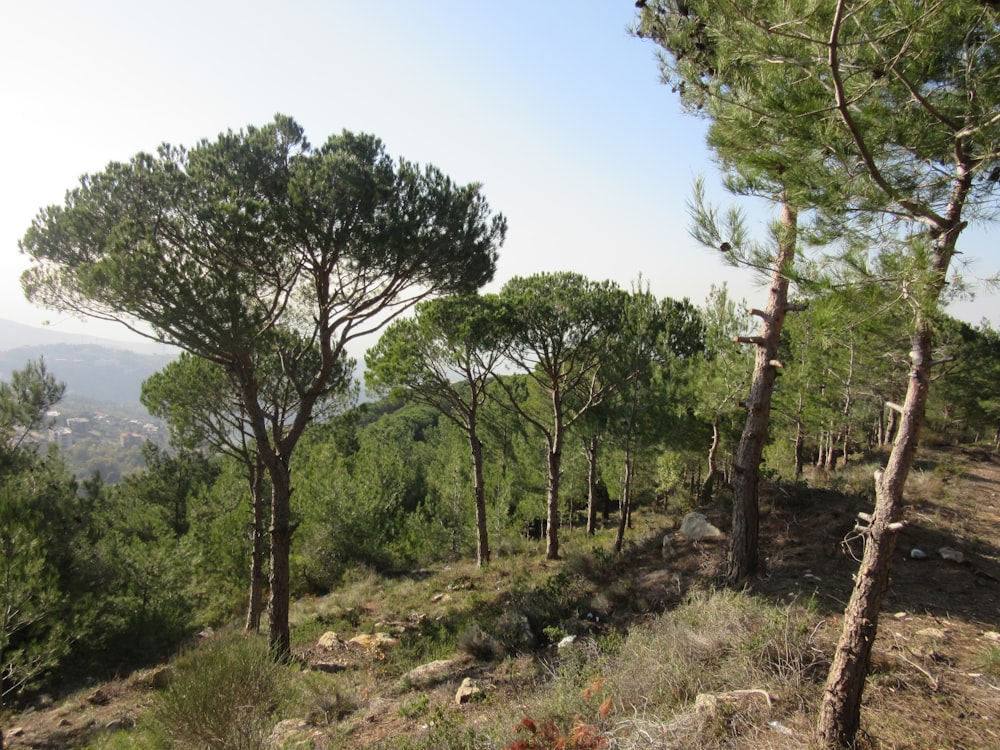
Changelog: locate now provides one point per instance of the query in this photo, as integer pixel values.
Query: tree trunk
(552, 521)
(279, 633)
(799, 448)
(705, 494)
(840, 713)
(891, 428)
(626, 509)
(258, 545)
(591, 450)
(482, 530)
(743, 551)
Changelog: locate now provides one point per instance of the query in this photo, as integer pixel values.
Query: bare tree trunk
(705, 494)
(840, 713)
(799, 448)
(626, 506)
(482, 530)
(821, 450)
(258, 547)
(590, 448)
(743, 551)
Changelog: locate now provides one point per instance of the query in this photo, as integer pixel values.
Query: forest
(556, 409)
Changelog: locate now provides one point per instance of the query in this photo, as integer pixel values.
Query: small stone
(566, 642)
(952, 555)
(901, 615)
(374, 640)
(99, 698)
(667, 550)
(918, 554)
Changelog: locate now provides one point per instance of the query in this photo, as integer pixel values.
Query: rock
(99, 698)
(121, 724)
(514, 631)
(667, 550)
(374, 640)
(566, 642)
(696, 527)
(952, 555)
(328, 640)
(435, 671)
(918, 554)
(469, 691)
(154, 679)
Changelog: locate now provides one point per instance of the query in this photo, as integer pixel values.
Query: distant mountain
(17, 335)
(106, 371)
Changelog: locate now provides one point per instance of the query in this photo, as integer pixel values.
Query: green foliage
(225, 695)
(24, 401)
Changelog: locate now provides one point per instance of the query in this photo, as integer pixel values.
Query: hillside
(663, 657)
(92, 372)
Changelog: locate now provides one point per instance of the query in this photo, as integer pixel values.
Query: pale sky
(549, 103)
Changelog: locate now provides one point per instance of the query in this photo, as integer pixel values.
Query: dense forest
(557, 403)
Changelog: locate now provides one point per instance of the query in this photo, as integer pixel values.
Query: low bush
(225, 695)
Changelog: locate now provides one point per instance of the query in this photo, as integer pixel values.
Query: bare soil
(931, 684)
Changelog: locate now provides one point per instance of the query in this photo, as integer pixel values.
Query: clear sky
(549, 103)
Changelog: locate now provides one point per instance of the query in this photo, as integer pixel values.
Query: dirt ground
(939, 616)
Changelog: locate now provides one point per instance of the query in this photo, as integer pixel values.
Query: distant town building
(79, 425)
(130, 439)
(61, 437)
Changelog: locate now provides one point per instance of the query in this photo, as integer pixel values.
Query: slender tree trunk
(482, 530)
(891, 428)
(840, 713)
(821, 450)
(743, 551)
(705, 494)
(258, 545)
(626, 509)
(591, 451)
(799, 448)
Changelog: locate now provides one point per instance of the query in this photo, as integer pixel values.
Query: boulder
(435, 671)
(696, 527)
(329, 640)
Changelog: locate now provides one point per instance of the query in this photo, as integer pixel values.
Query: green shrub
(225, 695)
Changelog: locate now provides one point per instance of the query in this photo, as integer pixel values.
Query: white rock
(952, 555)
(918, 554)
(695, 527)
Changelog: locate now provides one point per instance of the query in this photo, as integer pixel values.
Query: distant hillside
(16, 335)
(93, 368)
(95, 373)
